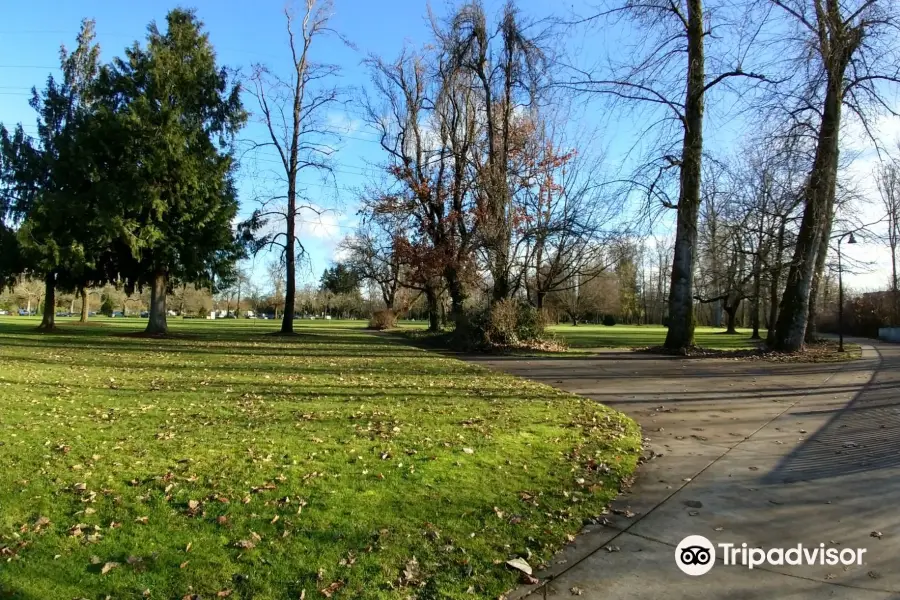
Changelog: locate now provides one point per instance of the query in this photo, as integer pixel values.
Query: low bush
(383, 319)
(609, 320)
(507, 323)
(107, 308)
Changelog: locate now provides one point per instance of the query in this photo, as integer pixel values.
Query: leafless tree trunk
(888, 180)
(292, 111)
(641, 83)
(861, 34)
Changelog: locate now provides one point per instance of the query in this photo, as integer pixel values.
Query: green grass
(639, 336)
(224, 459)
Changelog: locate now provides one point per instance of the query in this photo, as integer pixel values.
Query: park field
(224, 462)
(642, 336)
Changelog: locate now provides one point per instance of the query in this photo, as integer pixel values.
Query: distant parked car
(118, 314)
(4, 312)
(145, 314)
(24, 313)
(63, 313)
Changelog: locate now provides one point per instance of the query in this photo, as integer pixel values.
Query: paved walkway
(770, 454)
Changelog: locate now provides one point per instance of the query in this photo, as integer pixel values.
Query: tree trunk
(574, 320)
(731, 317)
(774, 281)
(757, 293)
(681, 290)
(157, 323)
(811, 327)
(790, 330)
(48, 321)
(287, 321)
(895, 312)
(434, 315)
(457, 292)
(85, 306)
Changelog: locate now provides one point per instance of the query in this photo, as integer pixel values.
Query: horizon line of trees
(486, 195)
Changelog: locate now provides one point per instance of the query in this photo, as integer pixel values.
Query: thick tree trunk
(574, 320)
(85, 306)
(458, 296)
(681, 290)
(501, 290)
(157, 323)
(434, 313)
(731, 317)
(811, 327)
(48, 320)
(794, 313)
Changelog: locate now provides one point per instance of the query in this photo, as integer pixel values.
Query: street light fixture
(851, 240)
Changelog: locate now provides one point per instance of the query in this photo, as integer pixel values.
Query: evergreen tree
(167, 127)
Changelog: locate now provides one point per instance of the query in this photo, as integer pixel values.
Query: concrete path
(770, 454)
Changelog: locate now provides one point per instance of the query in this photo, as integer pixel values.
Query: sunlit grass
(226, 461)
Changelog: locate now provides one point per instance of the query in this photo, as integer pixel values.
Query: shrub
(202, 313)
(609, 320)
(502, 326)
(383, 319)
(505, 323)
(107, 307)
(530, 324)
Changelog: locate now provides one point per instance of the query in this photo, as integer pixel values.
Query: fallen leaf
(876, 534)
(576, 591)
(223, 594)
(468, 450)
(520, 565)
(332, 588)
(108, 567)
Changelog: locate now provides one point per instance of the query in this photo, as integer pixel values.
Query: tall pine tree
(166, 130)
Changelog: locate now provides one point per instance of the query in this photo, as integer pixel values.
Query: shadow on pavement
(862, 436)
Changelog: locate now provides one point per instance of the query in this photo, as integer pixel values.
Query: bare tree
(292, 109)
(426, 125)
(670, 73)
(373, 255)
(568, 218)
(887, 179)
(846, 55)
(506, 65)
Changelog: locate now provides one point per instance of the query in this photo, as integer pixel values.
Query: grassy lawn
(639, 336)
(227, 463)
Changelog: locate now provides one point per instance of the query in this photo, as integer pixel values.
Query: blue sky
(245, 33)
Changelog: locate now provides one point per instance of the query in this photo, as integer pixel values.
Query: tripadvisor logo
(696, 555)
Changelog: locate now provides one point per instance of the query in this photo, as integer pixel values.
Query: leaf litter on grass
(337, 463)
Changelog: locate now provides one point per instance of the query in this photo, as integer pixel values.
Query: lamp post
(852, 240)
